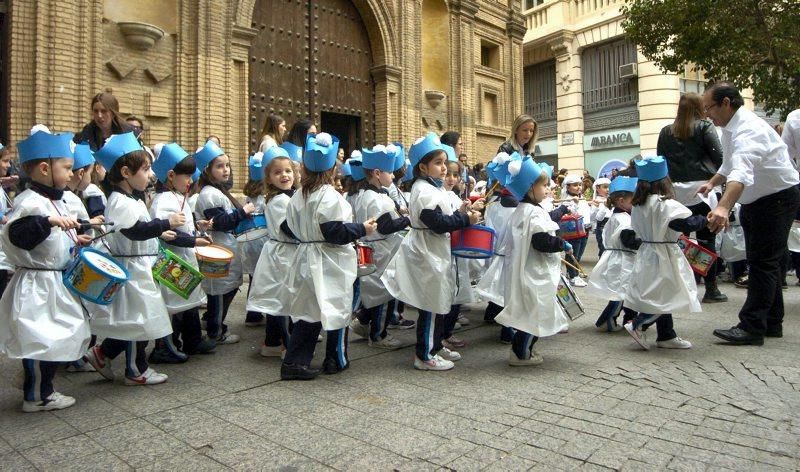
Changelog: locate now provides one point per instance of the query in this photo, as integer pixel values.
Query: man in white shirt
(758, 174)
(791, 136)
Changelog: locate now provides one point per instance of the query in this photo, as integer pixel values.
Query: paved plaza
(597, 403)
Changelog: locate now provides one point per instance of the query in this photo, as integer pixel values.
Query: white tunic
(93, 190)
(251, 250)
(320, 275)
(491, 286)
(4, 207)
(163, 205)
(39, 317)
(419, 274)
(372, 204)
(460, 267)
(611, 275)
(138, 312)
(269, 278)
(661, 280)
(530, 296)
(211, 197)
(794, 237)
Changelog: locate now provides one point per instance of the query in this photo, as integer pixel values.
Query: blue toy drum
(95, 276)
(251, 228)
(473, 242)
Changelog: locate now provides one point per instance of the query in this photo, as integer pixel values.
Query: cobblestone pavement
(596, 403)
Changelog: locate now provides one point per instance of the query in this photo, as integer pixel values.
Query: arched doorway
(312, 58)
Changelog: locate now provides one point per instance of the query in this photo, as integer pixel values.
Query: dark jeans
(217, 312)
(429, 334)
(492, 310)
(301, 346)
(39, 376)
(664, 326)
(611, 312)
(377, 318)
(766, 223)
(705, 238)
(598, 235)
(522, 345)
(450, 320)
(276, 332)
(578, 246)
(135, 356)
(336, 346)
(186, 332)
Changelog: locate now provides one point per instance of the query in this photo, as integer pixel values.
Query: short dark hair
(450, 138)
(722, 90)
(133, 161)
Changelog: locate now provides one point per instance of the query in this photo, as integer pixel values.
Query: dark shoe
(739, 337)
(714, 297)
(254, 319)
(742, 281)
(784, 285)
(163, 356)
(776, 332)
(298, 372)
(206, 346)
(330, 367)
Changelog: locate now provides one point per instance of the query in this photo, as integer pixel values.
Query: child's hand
(64, 222)
(404, 212)
(204, 225)
(168, 235)
(84, 240)
(202, 242)
(465, 206)
(4, 220)
(370, 226)
(176, 220)
(249, 208)
(479, 204)
(474, 217)
(97, 220)
(567, 248)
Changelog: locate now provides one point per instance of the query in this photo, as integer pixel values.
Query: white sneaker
(389, 342)
(360, 329)
(449, 355)
(577, 282)
(463, 320)
(272, 351)
(436, 363)
(637, 335)
(55, 401)
(99, 361)
(319, 338)
(674, 343)
(150, 377)
(227, 338)
(515, 361)
(456, 326)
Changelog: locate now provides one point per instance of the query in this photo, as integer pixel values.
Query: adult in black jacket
(524, 134)
(106, 121)
(693, 151)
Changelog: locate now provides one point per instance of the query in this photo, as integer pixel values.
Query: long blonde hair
(518, 122)
(690, 109)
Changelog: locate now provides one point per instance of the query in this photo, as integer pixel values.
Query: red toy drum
(571, 227)
(366, 265)
(474, 242)
(700, 259)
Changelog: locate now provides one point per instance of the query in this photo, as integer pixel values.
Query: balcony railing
(558, 14)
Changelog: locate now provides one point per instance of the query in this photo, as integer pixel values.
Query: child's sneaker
(637, 335)
(360, 329)
(454, 343)
(449, 355)
(55, 401)
(80, 366)
(227, 338)
(674, 343)
(463, 320)
(272, 351)
(99, 361)
(162, 355)
(435, 363)
(149, 377)
(402, 324)
(389, 342)
(205, 346)
(577, 282)
(515, 361)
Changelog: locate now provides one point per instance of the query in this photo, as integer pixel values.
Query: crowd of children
(304, 272)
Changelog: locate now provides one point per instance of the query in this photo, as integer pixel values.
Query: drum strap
(421, 229)
(659, 242)
(621, 250)
(135, 255)
(294, 243)
(41, 269)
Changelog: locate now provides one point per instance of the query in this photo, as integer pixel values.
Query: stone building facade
(196, 68)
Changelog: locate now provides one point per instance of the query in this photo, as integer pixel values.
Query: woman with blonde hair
(272, 135)
(524, 134)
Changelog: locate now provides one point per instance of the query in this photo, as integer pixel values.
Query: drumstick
(571, 266)
(492, 190)
(98, 225)
(102, 235)
(578, 264)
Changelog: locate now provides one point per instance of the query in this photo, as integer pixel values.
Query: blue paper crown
(451, 153)
(378, 158)
(116, 146)
(255, 166)
(490, 178)
(652, 169)
(273, 153)
(528, 173)
(501, 168)
(356, 169)
(2, 147)
(83, 156)
(623, 183)
(206, 154)
(295, 152)
(399, 156)
(319, 157)
(170, 156)
(345, 169)
(43, 145)
(429, 143)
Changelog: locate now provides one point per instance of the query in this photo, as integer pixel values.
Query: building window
(489, 109)
(490, 55)
(693, 80)
(532, 4)
(602, 86)
(539, 85)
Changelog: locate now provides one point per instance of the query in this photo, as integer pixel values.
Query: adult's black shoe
(739, 337)
(714, 297)
(298, 372)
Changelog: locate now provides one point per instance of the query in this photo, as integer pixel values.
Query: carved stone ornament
(434, 97)
(141, 36)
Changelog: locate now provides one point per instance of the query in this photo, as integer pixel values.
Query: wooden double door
(312, 59)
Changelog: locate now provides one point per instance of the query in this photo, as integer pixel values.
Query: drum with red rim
(571, 227)
(366, 264)
(473, 242)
